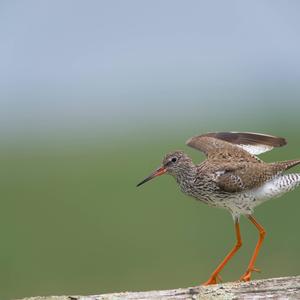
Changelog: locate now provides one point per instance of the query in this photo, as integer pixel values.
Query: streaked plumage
(232, 177)
(238, 180)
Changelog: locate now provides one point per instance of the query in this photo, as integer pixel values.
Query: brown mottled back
(233, 168)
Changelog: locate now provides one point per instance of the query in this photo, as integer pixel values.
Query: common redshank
(231, 177)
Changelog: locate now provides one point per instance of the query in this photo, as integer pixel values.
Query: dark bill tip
(143, 181)
(158, 172)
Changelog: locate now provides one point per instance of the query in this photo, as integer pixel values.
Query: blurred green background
(93, 94)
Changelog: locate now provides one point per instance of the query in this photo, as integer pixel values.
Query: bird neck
(185, 173)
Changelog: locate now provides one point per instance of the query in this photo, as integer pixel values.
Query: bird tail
(279, 183)
(285, 165)
(278, 186)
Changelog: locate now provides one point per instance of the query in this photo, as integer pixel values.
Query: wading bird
(232, 177)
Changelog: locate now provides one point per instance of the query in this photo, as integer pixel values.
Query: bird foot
(247, 275)
(213, 280)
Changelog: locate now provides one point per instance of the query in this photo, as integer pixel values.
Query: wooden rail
(273, 288)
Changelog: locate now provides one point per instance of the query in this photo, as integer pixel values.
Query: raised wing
(252, 143)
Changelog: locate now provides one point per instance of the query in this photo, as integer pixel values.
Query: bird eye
(174, 159)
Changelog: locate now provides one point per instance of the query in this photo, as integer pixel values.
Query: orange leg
(215, 274)
(262, 233)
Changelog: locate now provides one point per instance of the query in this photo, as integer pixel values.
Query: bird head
(172, 164)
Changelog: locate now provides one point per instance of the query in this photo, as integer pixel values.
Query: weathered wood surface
(274, 288)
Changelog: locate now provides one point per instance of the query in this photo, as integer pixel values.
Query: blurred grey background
(92, 94)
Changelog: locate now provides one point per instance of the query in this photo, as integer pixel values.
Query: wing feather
(253, 143)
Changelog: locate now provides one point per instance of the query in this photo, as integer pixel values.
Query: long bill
(158, 172)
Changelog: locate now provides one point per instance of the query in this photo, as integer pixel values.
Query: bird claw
(219, 278)
(247, 275)
(213, 280)
(256, 270)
